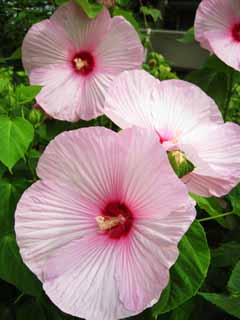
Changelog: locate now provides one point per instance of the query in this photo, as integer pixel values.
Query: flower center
(83, 63)
(116, 220)
(236, 32)
(165, 135)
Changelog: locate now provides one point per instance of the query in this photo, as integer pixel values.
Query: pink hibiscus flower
(75, 58)
(101, 227)
(217, 28)
(186, 120)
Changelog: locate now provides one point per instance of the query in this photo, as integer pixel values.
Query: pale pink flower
(217, 28)
(75, 58)
(185, 119)
(101, 227)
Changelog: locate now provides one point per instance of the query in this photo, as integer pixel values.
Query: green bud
(35, 116)
(179, 163)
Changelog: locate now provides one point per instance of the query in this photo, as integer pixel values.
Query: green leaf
(122, 2)
(16, 55)
(3, 169)
(154, 13)
(183, 312)
(234, 197)
(211, 206)
(188, 36)
(189, 272)
(12, 268)
(90, 8)
(26, 94)
(15, 137)
(234, 281)
(229, 304)
(30, 310)
(215, 84)
(10, 192)
(226, 255)
(6, 312)
(128, 16)
(217, 65)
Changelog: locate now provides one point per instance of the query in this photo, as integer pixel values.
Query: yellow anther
(79, 63)
(107, 223)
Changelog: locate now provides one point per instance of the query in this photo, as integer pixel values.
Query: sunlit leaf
(15, 136)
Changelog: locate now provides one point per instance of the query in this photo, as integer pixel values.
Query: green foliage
(13, 270)
(154, 13)
(188, 36)
(15, 137)
(189, 271)
(10, 193)
(91, 8)
(229, 304)
(212, 207)
(158, 66)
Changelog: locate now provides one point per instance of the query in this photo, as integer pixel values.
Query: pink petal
(216, 160)
(62, 91)
(214, 22)
(153, 172)
(60, 241)
(176, 106)
(118, 155)
(225, 48)
(46, 45)
(85, 33)
(80, 279)
(121, 49)
(80, 153)
(149, 255)
(48, 216)
(93, 95)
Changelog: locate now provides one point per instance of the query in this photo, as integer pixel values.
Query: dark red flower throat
(83, 63)
(236, 32)
(116, 220)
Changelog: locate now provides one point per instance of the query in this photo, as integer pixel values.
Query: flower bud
(179, 163)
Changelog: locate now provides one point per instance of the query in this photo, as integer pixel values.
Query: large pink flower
(186, 120)
(217, 28)
(75, 58)
(101, 227)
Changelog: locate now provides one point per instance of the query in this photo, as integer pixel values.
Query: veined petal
(61, 94)
(48, 216)
(85, 33)
(214, 27)
(46, 45)
(149, 255)
(216, 158)
(121, 48)
(80, 279)
(175, 106)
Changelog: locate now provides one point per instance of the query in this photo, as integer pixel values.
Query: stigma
(79, 63)
(107, 223)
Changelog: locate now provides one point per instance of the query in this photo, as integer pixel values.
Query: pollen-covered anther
(107, 223)
(79, 63)
(179, 157)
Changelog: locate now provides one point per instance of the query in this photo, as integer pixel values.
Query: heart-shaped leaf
(15, 137)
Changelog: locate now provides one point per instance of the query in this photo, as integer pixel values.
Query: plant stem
(216, 217)
(19, 298)
(229, 95)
